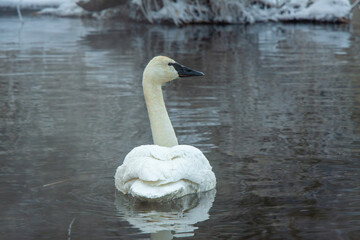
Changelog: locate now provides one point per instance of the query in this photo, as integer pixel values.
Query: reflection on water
(160, 219)
(277, 115)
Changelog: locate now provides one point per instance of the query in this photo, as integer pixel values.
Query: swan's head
(163, 69)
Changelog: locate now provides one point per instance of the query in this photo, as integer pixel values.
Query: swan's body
(165, 170)
(155, 172)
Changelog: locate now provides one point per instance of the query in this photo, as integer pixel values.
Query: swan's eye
(170, 64)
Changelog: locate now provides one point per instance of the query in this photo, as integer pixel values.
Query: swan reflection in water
(163, 220)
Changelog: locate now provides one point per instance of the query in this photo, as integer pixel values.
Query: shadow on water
(277, 115)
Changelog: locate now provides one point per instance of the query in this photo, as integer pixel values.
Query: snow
(68, 8)
(214, 11)
(245, 11)
(324, 10)
(54, 7)
(31, 4)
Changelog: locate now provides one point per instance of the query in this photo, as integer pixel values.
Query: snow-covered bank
(64, 8)
(68, 8)
(197, 11)
(244, 11)
(30, 4)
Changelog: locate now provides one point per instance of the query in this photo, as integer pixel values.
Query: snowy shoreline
(30, 4)
(185, 12)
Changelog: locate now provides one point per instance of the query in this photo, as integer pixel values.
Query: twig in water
(69, 229)
(19, 11)
(355, 4)
(54, 183)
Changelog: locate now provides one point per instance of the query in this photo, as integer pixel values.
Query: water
(277, 115)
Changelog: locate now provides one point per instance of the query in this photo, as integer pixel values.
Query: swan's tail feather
(149, 191)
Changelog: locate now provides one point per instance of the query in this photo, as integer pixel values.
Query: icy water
(277, 115)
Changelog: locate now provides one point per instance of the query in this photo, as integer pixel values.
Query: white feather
(155, 172)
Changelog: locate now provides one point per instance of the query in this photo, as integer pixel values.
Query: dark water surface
(277, 115)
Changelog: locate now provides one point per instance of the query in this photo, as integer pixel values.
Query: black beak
(185, 71)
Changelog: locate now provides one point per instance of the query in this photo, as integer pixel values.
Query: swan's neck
(162, 130)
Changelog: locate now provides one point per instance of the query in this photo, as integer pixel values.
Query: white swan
(165, 170)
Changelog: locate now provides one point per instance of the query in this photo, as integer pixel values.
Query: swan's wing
(155, 170)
